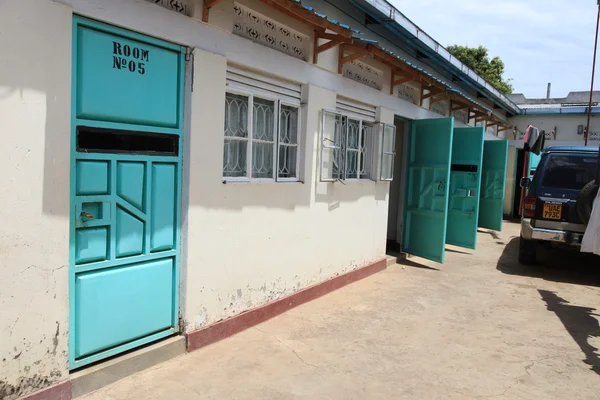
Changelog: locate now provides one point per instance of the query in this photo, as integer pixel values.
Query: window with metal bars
(348, 148)
(262, 138)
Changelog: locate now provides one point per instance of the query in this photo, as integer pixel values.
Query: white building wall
(566, 129)
(251, 243)
(35, 109)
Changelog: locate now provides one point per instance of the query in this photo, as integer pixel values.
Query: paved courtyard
(478, 326)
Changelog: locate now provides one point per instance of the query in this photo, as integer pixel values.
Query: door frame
(179, 130)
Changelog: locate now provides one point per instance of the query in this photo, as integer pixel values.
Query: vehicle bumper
(549, 235)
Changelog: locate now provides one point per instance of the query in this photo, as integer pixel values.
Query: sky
(540, 41)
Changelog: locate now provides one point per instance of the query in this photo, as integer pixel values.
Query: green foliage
(478, 60)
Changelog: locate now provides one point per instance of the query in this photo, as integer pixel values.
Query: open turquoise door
(491, 207)
(534, 160)
(428, 174)
(465, 184)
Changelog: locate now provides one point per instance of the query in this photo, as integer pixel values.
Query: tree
(478, 60)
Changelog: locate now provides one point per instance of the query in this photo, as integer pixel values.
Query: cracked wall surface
(35, 74)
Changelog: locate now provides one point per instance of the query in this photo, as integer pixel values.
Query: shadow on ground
(553, 265)
(579, 322)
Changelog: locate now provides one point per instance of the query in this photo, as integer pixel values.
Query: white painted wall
(248, 244)
(35, 76)
(566, 129)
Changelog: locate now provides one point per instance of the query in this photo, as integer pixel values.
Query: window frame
(368, 144)
(298, 108)
(387, 153)
(278, 102)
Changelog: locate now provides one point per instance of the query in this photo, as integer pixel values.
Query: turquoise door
(428, 174)
(125, 191)
(493, 186)
(534, 160)
(465, 184)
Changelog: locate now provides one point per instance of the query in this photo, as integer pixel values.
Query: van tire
(527, 252)
(585, 201)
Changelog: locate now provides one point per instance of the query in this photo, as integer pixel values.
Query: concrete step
(392, 260)
(107, 372)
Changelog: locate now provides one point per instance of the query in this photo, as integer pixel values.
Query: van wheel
(527, 252)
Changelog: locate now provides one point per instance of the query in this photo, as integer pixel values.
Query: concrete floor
(478, 326)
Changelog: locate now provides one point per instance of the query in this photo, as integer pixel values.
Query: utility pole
(589, 115)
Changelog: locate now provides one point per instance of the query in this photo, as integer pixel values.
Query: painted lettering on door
(130, 58)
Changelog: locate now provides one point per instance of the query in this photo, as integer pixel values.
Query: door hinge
(188, 54)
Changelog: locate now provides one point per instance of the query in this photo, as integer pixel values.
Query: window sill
(258, 182)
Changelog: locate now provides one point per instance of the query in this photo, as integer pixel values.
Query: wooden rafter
(298, 12)
(504, 128)
(400, 80)
(208, 4)
(437, 98)
(357, 53)
(432, 92)
(334, 40)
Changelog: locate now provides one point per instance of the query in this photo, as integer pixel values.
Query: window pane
(262, 160)
(234, 158)
(330, 164)
(264, 119)
(389, 135)
(353, 134)
(236, 115)
(365, 154)
(569, 171)
(351, 164)
(332, 129)
(387, 167)
(287, 161)
(288, 125)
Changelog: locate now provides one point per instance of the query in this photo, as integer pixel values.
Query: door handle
(86, 215)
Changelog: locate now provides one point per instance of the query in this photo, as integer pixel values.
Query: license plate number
(552, 211)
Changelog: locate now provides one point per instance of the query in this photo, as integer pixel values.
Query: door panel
(491, 208)
(117, 305)
(428, 173)
(534, 160)
(111, 64)
(465, 184)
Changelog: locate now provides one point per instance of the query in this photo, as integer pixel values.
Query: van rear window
(569, 171)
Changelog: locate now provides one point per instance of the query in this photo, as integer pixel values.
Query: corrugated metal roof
(318, 14)
(405, 61)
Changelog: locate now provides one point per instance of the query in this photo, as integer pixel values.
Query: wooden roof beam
(298, 12)
(358, 53)
(437, 98)
(404, 78)
(334, 40)
(208, 4)
(432, 92)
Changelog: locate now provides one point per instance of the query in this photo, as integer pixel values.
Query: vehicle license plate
(552, 211)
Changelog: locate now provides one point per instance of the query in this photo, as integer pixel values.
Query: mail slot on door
(461, 192)
(464, 168)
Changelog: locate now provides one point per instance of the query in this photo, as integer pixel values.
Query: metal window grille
(346, 147)
(262, 127)
(263, 144)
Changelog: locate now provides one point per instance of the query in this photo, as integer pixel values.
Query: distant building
(563, 121)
